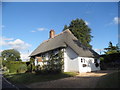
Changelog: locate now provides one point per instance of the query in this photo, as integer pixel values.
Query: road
(4, 84)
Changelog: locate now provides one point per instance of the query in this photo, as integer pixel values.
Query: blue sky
(26, 24)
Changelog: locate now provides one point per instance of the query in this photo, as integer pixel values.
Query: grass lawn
(27, 78)
(109, 81)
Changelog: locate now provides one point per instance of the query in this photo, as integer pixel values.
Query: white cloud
(0, 52)
(41, 29)
(116, 20)
(3, 41)
(14, 44)
(18, 44)
(33, 31)
(86, 23)
(25, 56)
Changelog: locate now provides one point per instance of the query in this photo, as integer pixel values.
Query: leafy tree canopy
(81, 31)
(111, 49)
(11, 55)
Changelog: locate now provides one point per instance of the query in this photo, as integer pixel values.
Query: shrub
(22, 68)
(29, 68)
(111, 57)
(38, 72)
(54, 64)
(4, 62)
(101, 59)
(15, 66)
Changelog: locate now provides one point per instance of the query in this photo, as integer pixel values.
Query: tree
(31, 65)
(11, 55)
(65, 27)
(81, 31)
(111, 49)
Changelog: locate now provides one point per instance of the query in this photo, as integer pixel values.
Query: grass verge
(27, 78)
(109, 81)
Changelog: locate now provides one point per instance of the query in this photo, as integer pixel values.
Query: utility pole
(28, 54)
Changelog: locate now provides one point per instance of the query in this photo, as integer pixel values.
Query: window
(84, 65)
(81, 60)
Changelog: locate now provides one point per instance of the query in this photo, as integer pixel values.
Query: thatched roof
(62, 40)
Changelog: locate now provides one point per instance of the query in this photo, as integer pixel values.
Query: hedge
(16, 66)
(111, 57)
(110, 61)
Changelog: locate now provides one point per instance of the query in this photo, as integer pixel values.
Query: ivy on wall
(54, 64)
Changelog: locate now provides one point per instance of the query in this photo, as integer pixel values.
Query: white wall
(70, 60)
(90, 65)
(38, 63)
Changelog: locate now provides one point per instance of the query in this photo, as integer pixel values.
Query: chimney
(52, 33)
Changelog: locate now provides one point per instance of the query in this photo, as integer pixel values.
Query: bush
(29, 68)
(101, 59)
(38, 72)
(111, 57)
(15, 66)
(4, 62)
(110, 61)
(22, 68)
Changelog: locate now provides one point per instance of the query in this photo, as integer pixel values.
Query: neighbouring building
(76, 57)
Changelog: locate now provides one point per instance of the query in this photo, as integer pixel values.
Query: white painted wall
(90, 65)
(38, 63)
(70, 60)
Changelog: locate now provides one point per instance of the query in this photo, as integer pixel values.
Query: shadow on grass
(111, 80)
(27, 78)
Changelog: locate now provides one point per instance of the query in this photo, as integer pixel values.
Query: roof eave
(46, 51)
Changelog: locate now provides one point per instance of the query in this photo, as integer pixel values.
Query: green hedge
(111, 57)
(110, 61)
(16, 66)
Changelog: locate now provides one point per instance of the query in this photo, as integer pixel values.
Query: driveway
(83, 80)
